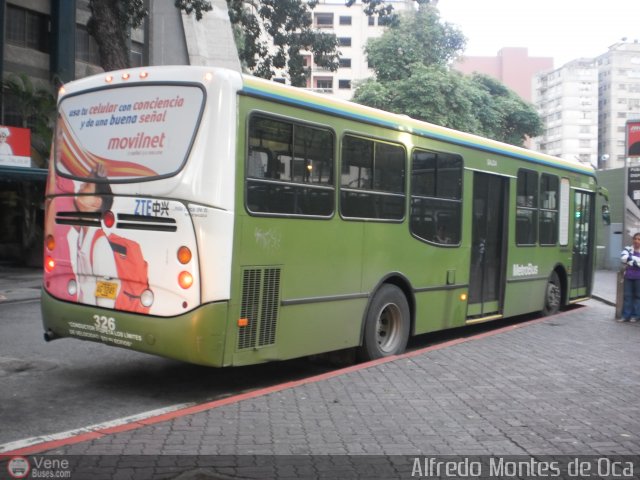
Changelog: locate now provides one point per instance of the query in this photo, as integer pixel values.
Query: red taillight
(49, 264)
(108, 218)
(185, 280)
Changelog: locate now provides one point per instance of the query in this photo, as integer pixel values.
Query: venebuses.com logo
(38, 467)
(19, 467)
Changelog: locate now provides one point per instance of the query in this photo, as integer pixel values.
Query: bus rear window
(130, 133)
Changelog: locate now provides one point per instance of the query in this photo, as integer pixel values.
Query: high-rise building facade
(567, 101)
(512, 66)
(353, 28)
(618, 100)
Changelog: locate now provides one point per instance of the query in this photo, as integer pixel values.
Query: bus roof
(303, 98)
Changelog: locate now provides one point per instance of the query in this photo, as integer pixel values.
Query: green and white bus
(220, 219)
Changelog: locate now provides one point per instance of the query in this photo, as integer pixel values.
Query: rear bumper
(195, 337)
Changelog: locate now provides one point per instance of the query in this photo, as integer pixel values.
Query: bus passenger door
(581, 270)
(488, 246)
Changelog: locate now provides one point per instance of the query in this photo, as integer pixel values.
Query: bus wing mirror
(606, 215)
(604, 193)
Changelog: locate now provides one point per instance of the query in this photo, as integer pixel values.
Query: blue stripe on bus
(423, 133)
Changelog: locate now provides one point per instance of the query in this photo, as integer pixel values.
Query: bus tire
(552, 295)
(386, 330)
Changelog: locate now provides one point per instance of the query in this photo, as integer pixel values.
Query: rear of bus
(139, 211)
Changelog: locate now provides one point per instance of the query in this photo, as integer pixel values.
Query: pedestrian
(630, 256)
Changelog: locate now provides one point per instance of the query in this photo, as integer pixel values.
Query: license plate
(106, 290)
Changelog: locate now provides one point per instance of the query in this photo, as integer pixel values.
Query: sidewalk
(19, 284)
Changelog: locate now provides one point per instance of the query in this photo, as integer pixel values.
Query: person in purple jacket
(630, 256)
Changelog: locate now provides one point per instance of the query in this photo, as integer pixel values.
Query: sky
(561, 29)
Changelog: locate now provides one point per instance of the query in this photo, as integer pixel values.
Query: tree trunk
(110, 35)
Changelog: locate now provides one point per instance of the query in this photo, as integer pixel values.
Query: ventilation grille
(260, 304)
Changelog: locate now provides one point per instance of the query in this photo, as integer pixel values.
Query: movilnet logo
(19, 467)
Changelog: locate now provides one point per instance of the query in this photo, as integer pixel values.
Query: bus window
(289, 168)
(373, 176)
(527, 208)
(436, 197)
(549, 190)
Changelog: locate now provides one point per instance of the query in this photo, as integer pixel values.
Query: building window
(345, 63)
(344, 84)
(324, 20)
(324, 83)
(344, 41)
(28, 29)
(86, 46)
(345, 20)
(137, 54)
(372, 22)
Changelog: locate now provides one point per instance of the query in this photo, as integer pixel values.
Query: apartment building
(618, 100)
(512, 66)
(567, 101)
(353, 28)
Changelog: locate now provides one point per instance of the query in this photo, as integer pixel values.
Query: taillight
(108, 218)
(184, 255)
(49, 264)
(50, 243)
(185, 280)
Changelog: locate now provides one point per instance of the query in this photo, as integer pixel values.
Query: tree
(288, 26)
(111, 22)
(411, 62)
(35, 106)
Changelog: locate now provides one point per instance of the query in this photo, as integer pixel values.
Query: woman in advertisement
(93, 254)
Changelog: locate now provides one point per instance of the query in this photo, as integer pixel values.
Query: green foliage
(288, 24)
(36, 107)
(411, 61)
(418, 38)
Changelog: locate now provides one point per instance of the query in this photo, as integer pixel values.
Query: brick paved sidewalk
(567, 385)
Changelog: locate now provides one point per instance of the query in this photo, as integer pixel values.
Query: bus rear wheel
(552, 296)
(386, 330)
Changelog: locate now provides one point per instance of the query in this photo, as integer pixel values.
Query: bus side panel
(309, 329)
(318, 301)
(439, 310)
(524, 297)
(431, 271)
(195, 337)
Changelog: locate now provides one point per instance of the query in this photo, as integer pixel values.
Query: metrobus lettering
(524, 270)
(141, 140)
(159, 103)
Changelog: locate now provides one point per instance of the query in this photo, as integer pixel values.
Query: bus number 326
(104, 323)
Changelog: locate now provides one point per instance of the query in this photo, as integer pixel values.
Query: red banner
(633, 138)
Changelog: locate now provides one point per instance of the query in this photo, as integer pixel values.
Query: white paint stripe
(28, 442)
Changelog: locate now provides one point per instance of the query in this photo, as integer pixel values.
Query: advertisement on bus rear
(128, 133)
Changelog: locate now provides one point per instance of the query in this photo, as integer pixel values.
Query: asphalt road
(68, 384)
